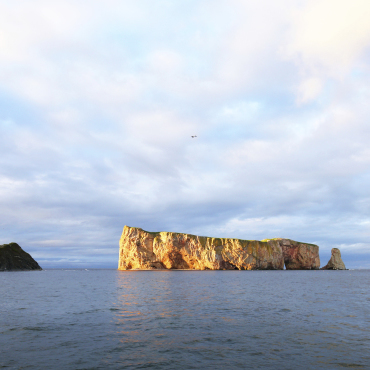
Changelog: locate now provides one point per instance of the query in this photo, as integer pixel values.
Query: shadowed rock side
(335, 262)
(299, 256)
(14, 258)
(144, 250)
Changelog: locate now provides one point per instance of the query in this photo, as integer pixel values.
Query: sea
(109, 319)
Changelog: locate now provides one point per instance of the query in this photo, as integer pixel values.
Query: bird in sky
(193, 136)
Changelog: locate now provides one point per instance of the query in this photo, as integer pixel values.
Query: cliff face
(335, 262)
(141, 249)
(14, 258)
(300, 256)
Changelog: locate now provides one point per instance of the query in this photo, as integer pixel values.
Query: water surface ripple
(108, 319)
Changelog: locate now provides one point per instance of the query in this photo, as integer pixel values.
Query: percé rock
(145, 250)
(14, 258)
(335, 262)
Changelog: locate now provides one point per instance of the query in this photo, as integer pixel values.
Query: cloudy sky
(98, 102)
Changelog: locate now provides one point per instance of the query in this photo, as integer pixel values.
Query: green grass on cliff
(244, 243)
(266, 240)
(13, 246)
(202, 239)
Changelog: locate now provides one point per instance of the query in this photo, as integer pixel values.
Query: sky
(99, 100)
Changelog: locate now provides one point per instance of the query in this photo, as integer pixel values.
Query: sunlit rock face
(14, 258)
(335, 262)
(145, 250)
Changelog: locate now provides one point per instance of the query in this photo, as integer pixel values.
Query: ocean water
(108, 319)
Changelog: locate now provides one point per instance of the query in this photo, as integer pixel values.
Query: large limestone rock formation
(14, 258)
(335, 262)
(141, 249)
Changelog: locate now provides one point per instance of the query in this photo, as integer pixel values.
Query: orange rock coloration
(145, 250)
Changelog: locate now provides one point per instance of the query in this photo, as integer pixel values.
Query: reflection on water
(106, 319)
(198, 319)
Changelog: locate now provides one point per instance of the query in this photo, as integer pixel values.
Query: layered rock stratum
(14, 258)
(144, 250)
(335, 262)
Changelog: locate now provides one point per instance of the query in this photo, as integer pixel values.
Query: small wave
(34, 328)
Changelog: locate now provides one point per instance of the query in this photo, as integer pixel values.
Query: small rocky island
(144, 250)
(335, 262)
(14, 258)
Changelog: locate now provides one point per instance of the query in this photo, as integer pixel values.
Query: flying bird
(193, 136)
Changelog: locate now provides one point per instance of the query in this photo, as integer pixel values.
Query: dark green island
(14, 258)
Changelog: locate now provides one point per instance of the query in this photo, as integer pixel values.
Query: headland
(144, 250)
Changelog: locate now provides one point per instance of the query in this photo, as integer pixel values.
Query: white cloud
(329, 36)
(240, 111)
(98, 104)
(309, 89)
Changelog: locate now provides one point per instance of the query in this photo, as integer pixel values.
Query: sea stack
(144, 250)
(335, 262)
(14, 258)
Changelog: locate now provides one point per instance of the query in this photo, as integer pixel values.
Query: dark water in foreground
(107, 319)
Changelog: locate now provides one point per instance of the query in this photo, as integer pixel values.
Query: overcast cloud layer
(98, 101)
